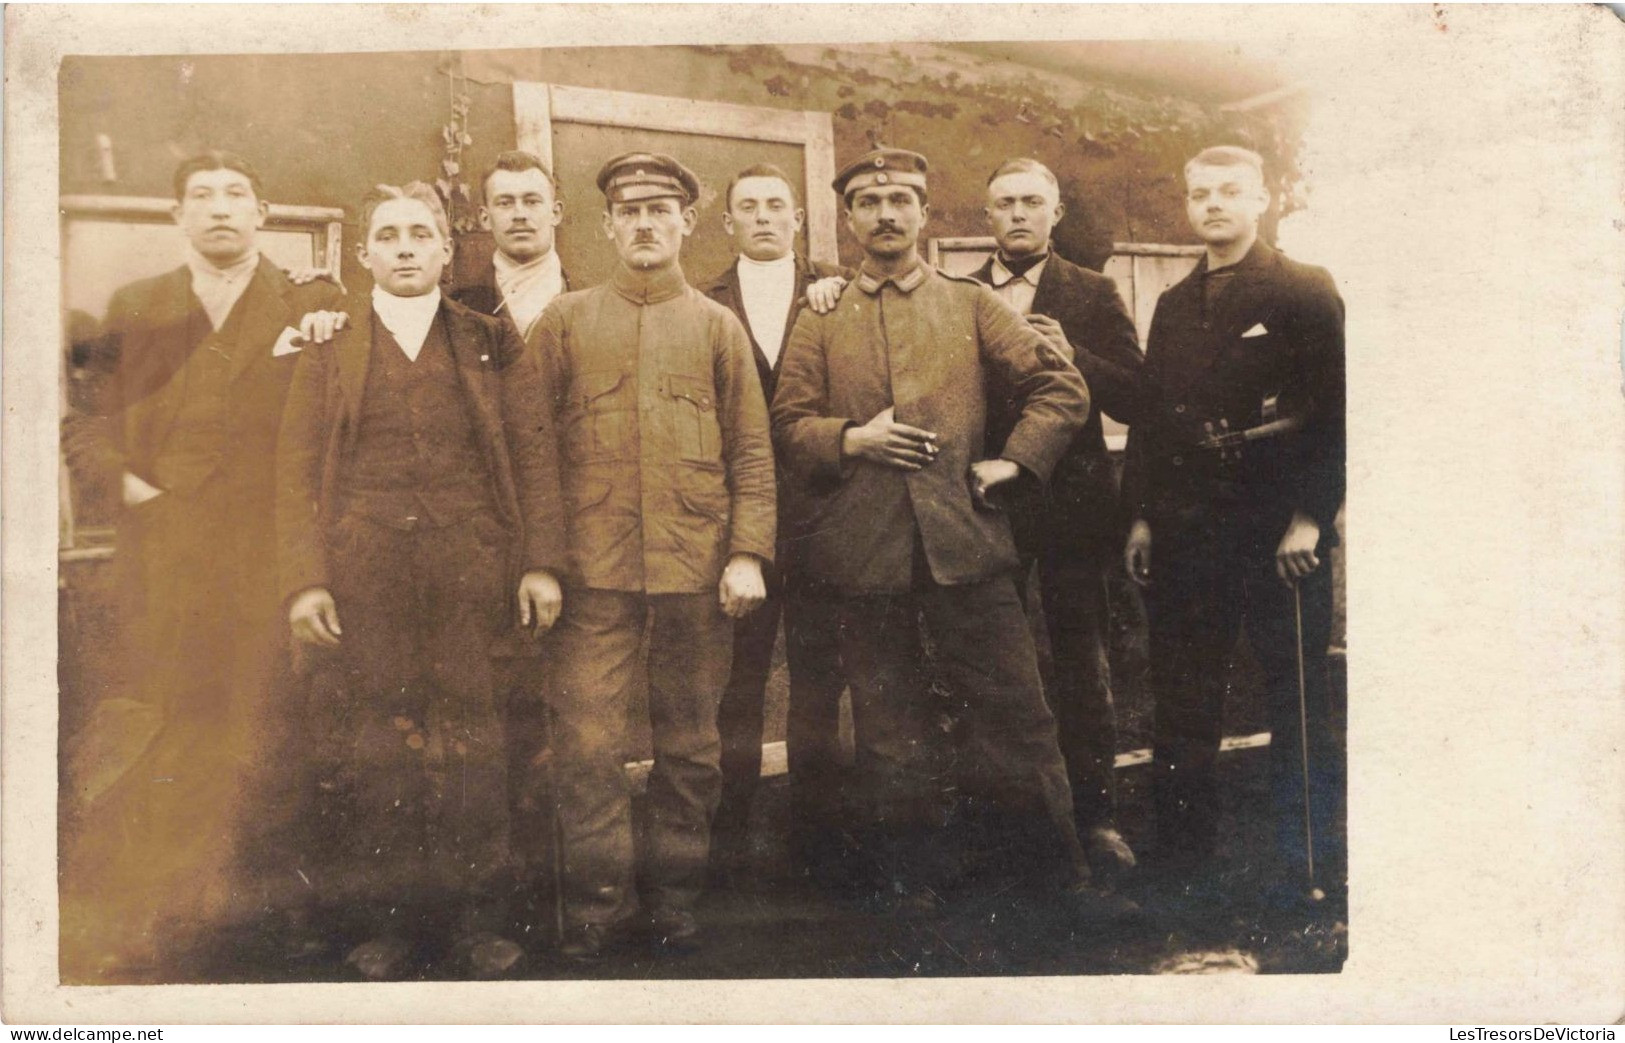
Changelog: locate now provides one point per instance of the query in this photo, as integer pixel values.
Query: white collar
(507, 267)
(203, 268)
(748, 263)
(406, 318)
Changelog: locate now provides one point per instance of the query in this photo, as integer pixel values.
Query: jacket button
(1180, 408)
(1179, 461)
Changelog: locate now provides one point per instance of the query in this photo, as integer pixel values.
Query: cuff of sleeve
(825, 440)
(1031, 455)
(751, 547)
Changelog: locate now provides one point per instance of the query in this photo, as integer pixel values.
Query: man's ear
(801, 217)
(175, 212)
(558, 212)
(1060, 212)
(728, 223)
(691, 220)
(263, 211)
(361, 254)
(485, 219)
(609, 226)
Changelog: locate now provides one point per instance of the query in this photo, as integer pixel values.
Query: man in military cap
(1070, 529)
(881, 413)
(1234, 478)
(669, 499)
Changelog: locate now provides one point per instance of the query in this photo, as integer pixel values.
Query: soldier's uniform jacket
(667, 462)
(924, 344)
(1270, 346)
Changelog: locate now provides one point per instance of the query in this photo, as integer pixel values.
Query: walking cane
(1315, 893)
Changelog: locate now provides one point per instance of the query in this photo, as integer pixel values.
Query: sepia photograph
(658, 506)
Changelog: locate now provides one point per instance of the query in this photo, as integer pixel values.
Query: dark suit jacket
(1078, 509)
(1275, 332)
(724, 289)
(143, 345)
(513, 420)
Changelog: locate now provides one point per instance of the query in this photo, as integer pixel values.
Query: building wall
(322, 128)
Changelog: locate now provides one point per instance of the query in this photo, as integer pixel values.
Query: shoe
(676, 929)
(488, 956)
(1109, 854)
(380, 959)
(584, 943)
(1091, 902)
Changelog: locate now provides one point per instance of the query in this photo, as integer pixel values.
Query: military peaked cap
(883, 166)
(647, 175)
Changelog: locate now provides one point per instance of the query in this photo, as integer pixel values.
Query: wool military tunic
(923, 343)
(668, 470)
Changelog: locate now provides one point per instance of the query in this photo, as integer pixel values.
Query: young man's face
(1022, 207)
(405, 250)
(521, 213)
(1224, 203)
(886, 219)
(220, 214)
(763, 218)
(648, 233)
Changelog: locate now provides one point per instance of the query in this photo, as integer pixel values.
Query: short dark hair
(418, 190)
(1227, 156)
(759, 170)
(518, 161)
(215, 159)
(1024, 165)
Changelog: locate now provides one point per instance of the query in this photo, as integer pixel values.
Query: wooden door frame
(537, 106)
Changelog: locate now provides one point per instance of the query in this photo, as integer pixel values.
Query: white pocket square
(285, 344)
(1257, 330)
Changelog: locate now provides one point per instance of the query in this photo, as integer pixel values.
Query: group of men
(629, 486)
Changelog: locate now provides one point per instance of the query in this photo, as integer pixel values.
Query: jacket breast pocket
(599, 415)
(694, 419)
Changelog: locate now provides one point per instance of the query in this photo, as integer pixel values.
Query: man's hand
(884, 441)
(1137, 553)
(314, 618)
(318, 327)
(540, 601)
(137, 491)
(1295, 557)
(742, 589)
(1053, 333)
(987, 475)
(823, 295)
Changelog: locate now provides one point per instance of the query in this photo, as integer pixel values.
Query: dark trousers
(1213, 576)
(1072, 583)
(596, 662)
(984, 652)
(175, 786)
(813, 727)
(411, 751)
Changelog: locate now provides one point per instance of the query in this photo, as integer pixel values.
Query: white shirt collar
(406, 318)
(752, 264)
(1002, 275)
(203, 268)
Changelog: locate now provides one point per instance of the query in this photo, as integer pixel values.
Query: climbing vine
(450, 181)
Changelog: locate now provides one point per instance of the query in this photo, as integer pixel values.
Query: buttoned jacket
(507, 400)
(668, 465)
(1269, 346)
(1079, 509)
(926, 344)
